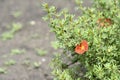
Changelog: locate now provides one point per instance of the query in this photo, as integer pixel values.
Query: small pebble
(32, 22)
(43, 59)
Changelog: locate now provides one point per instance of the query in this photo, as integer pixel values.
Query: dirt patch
(34, 34)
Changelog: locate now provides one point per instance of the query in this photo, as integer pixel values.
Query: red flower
(82, 47)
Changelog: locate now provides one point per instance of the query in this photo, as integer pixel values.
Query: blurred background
(26, 43)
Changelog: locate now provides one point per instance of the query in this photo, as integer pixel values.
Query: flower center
(82, 47)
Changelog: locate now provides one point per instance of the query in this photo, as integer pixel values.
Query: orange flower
(108, 20)
(82, 47)
(104, 22)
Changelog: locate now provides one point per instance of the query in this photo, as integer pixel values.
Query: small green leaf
(41, 52)
(37, 64)
(2, 70)
(17, 51)
(7, 36)
(10, 62)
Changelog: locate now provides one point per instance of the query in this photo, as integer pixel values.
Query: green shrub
(91, 41)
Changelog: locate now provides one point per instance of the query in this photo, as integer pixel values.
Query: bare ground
(35, 33)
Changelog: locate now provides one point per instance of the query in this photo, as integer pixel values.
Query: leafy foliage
(102, 60)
